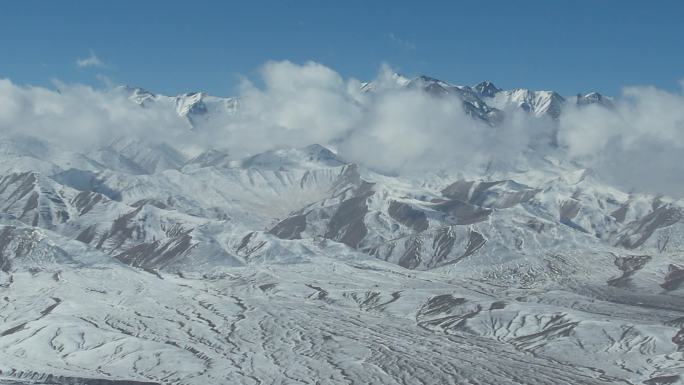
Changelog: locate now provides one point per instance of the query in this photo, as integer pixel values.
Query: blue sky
(177, 46)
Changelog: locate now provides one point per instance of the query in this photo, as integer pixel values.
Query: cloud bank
(636, 144)
(78, 117)
(391, 129)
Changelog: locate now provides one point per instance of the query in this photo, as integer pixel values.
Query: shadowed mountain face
(142, 263)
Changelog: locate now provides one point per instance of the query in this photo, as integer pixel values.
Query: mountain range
(138, 261)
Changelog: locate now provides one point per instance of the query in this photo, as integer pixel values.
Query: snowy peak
(484, 101)
(593, 98)
(191, 103)
(487, 89)
(138, 95)
(194, 107)
(537, 103)
(438, 87)
(429, 84)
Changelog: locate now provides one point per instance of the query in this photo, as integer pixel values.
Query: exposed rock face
(487, 89)
(628, 265)
(639, 231)
(674, 278)
(494, 194)
(347, 223)
(6, 255)
(157, 254)
(290, 228)
(408, 216)
(33, 199)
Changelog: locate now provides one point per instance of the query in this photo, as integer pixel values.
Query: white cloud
(78, 116)
(637, 144)
(391, 129)
(91, 61)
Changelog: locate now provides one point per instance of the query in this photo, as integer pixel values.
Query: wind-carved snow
(137, 263)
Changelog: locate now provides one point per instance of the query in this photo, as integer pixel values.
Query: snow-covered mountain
(138, 262)
(194, 107)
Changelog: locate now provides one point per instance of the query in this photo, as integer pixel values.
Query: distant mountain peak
(593, 98)
(482, 101)
(191, 103)
(430, 79)
(487, 89)
(137, 94)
